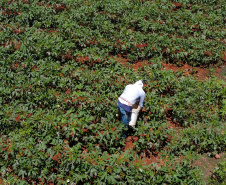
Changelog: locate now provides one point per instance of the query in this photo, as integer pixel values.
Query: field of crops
(63, 65)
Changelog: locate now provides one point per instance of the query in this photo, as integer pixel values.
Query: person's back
(133, 92)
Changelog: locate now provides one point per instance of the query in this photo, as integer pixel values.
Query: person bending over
(131, 94)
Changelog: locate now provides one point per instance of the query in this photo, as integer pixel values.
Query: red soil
(199, 72)
(18, 31)
(151, 158)
(14, 44)
(1, 181)
(121, 59)
(129, 142)
(224, 56)
(59, 7)
(140, 65)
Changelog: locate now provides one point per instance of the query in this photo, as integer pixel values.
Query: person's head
(140, 83)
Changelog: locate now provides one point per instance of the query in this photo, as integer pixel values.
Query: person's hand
(137, 110)
(134, 128)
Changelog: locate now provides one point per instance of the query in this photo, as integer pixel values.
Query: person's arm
(142, 100)
(140, 106)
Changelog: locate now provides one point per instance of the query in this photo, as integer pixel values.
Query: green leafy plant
(218, 175)
(63, 65)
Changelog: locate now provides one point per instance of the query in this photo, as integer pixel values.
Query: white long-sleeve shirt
(132, 93)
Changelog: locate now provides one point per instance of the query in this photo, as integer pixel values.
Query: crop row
(138, 31)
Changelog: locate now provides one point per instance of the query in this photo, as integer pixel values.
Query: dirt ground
(207, 164)
(202, 73)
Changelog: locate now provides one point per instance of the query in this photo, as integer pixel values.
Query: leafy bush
(218, 176)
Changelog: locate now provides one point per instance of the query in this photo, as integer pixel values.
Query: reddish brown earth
(147, 157)
(1, 181)
(140, 65)
(153, 159)
(14, 44)
(200, 72)
(129, 142)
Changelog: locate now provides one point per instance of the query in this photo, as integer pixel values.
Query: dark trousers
(125, 117)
